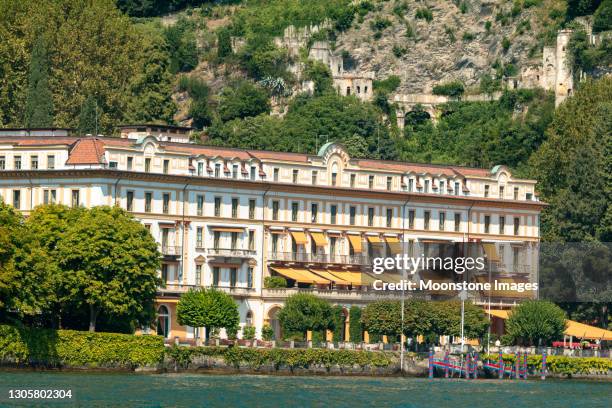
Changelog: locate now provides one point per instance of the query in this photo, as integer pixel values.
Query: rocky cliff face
(452, 40)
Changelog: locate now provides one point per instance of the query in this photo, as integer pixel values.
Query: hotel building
(232, 218)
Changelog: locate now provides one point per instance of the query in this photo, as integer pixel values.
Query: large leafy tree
(303, 312)
(110, 263)
(242, 100)
(11, 229)
(92, 48)
(151, 86)
(39, 101)
(534, 323)
(382, 317)
(209, 308)
(572, 166)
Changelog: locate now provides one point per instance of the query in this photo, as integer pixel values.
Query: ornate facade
(231, 218)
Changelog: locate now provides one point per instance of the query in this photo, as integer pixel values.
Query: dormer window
(426, 186)
(411, 185)
(457, 188)
(253, 172)
(442, 185)
(235, 171)
(218, 170)
(486, 190)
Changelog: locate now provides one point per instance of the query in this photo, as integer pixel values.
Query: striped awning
(301, 275)
(327, 275)
(491, 251)
(355, 241)
(355, 278)
(319, 238)
(299, 237)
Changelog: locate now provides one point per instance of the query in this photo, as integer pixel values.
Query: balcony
(231, 253)
(319, 258)
(334, 294)
(179, 288)
(170, 251)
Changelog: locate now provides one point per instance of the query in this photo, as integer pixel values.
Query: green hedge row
(56, 348)
(560, 364)
(292, 358)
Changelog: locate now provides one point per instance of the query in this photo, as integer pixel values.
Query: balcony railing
(170, 250)
(319, 258)
(182, 288)
(234, 253)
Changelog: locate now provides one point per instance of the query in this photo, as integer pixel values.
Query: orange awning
(502, 314)
(355, 241)
(373, 239)
(301, 275)
(299, 237)
(584, 331)
(319, 238)
(327, 275)
(572, 328)
(394, 244)
(227, 229)
(491, 252)
(355, 278)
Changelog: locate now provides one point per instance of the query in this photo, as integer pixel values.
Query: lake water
(202, 390)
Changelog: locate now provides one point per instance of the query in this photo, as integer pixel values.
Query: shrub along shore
(68, 349)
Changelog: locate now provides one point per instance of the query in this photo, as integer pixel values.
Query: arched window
(163, 321)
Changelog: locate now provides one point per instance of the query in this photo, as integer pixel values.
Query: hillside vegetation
(93, 65)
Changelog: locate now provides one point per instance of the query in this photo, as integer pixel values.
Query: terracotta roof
(87, 151)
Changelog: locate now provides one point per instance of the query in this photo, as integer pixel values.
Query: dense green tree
(151, 87)
(209, 308)
(382, 317)
(481, 134)
(571, 165)
(92, 48)
(182, 45)
(319, 73)
(339, 319)
(39, 101)
(224, 44)
(242, 100)
(303, 312)
(535, 323)
(11, 228)
(446, 318)
(355, 328)
(110, 262)
(602, 19)
(88, 117)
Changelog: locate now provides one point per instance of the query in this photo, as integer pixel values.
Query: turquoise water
(201, 390)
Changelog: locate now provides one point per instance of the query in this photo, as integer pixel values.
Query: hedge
(292, 358)
(560, 364)
(56, 348)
